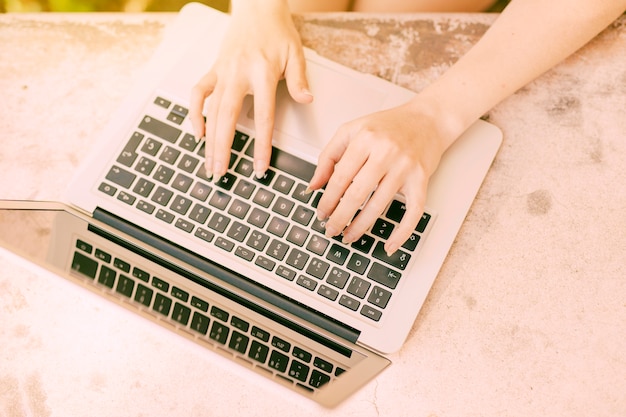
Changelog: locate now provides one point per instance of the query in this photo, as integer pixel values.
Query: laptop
(240, 264)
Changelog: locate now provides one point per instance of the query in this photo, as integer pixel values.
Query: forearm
(530, 37)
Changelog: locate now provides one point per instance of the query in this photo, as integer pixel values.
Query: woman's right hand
(260, 48)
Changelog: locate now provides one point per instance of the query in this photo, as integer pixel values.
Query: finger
(225, 124)
(295, 77)
(264, 110)
(329, 156)
(199, 93)
(415, 199)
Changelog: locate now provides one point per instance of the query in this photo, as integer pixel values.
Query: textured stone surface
(526, 317)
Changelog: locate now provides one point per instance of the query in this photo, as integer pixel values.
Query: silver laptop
(241, 265)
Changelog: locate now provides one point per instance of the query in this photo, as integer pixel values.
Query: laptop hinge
(233, 278)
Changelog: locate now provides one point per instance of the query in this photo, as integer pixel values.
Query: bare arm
(398, 150)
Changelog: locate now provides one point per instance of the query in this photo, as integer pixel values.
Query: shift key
(160, 129)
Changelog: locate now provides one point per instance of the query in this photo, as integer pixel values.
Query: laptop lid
(187, 300)
(302, 130)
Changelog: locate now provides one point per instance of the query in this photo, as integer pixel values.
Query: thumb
(295, 77)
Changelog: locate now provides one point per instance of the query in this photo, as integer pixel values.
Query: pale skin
(391, 151)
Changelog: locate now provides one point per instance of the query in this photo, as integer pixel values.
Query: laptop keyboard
(215, 324)
(268, 222)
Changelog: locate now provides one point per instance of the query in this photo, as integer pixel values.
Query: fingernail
(331, 231)
(390, 248)
(347, 239)
(307, 92)
(217, 170)
(321, 215)
(308, 190)
(259, 171)
(198, 138)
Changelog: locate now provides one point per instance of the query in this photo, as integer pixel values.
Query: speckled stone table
(527, 317)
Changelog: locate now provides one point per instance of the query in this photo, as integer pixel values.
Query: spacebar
(286, 162)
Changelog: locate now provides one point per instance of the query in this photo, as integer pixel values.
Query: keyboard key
(328, 292)
(278, 226)
(143, 295)
(204, 234)
(244, 167)
(398, 259)
(358, 287)
(265, 263)
(263, 197)
(411, 242)
(267, 177)
(239, 342)
(182, 183)
(107, 189)
(301, 354)
(163, 174)
(297, 259)
(258, 217)
(199, 213)
(317, 268)
(160, 129)
(199, 303)
(125, 286)
(358, 263)
(165, 216)
(151, 147)
(244, 253)
(307, 282)
(218, 222)
(240, 324)
(281, 344)
(283, 184)
(107, 276)
(260, 334)
(244, 189)
(184, 225)
(226, 181)
(162, 196)
(338, 254)
(84, 246)
(239, 209)
(181, 205)
(200, 323)
(219, 333)
(371, 313)
(145, 207)
(143, 187)
(278, 361)
(121, 265)
(318, 379)
(258, 352)
(379, 297)
(396, 211)
(84, 265)
(421, 226)
(283, 206)
(239, 141)
(299, 371)
(277, 249)
(220, 314)
(169, 155)
(364, 243)
(297, 235)
(238, 231)
(257, 240)
(300, 193)
(103, 256)
(224, 244)
(382, 228)
(219, 200)
(129, 153)
(181, 314)
(121, 177)
(200, 191)
(180, 294)
(188, 142)
(349, 302)
(383, 275)
(160, 284)
(338, 278)
(317, 245)
(303, 215)
(162, 304)
(145, 166)
(323, 365)
(286, 273)
(141, 274)
(159, 101)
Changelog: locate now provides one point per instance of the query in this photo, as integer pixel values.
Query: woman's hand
(389, 152)
(260, 48)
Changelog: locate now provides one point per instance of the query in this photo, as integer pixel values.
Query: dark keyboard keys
(181, 314)
(84, 265)
(258, 352)
(384, 275)
(278, 361)
(219, 333)
(398, 259)
(125, 286)
(129, 153)
(239, 342)
(200, 323)
(121, 177)
(160, 129)
(423, 223)
(144, 295)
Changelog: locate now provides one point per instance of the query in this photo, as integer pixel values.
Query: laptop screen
(220, 316)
